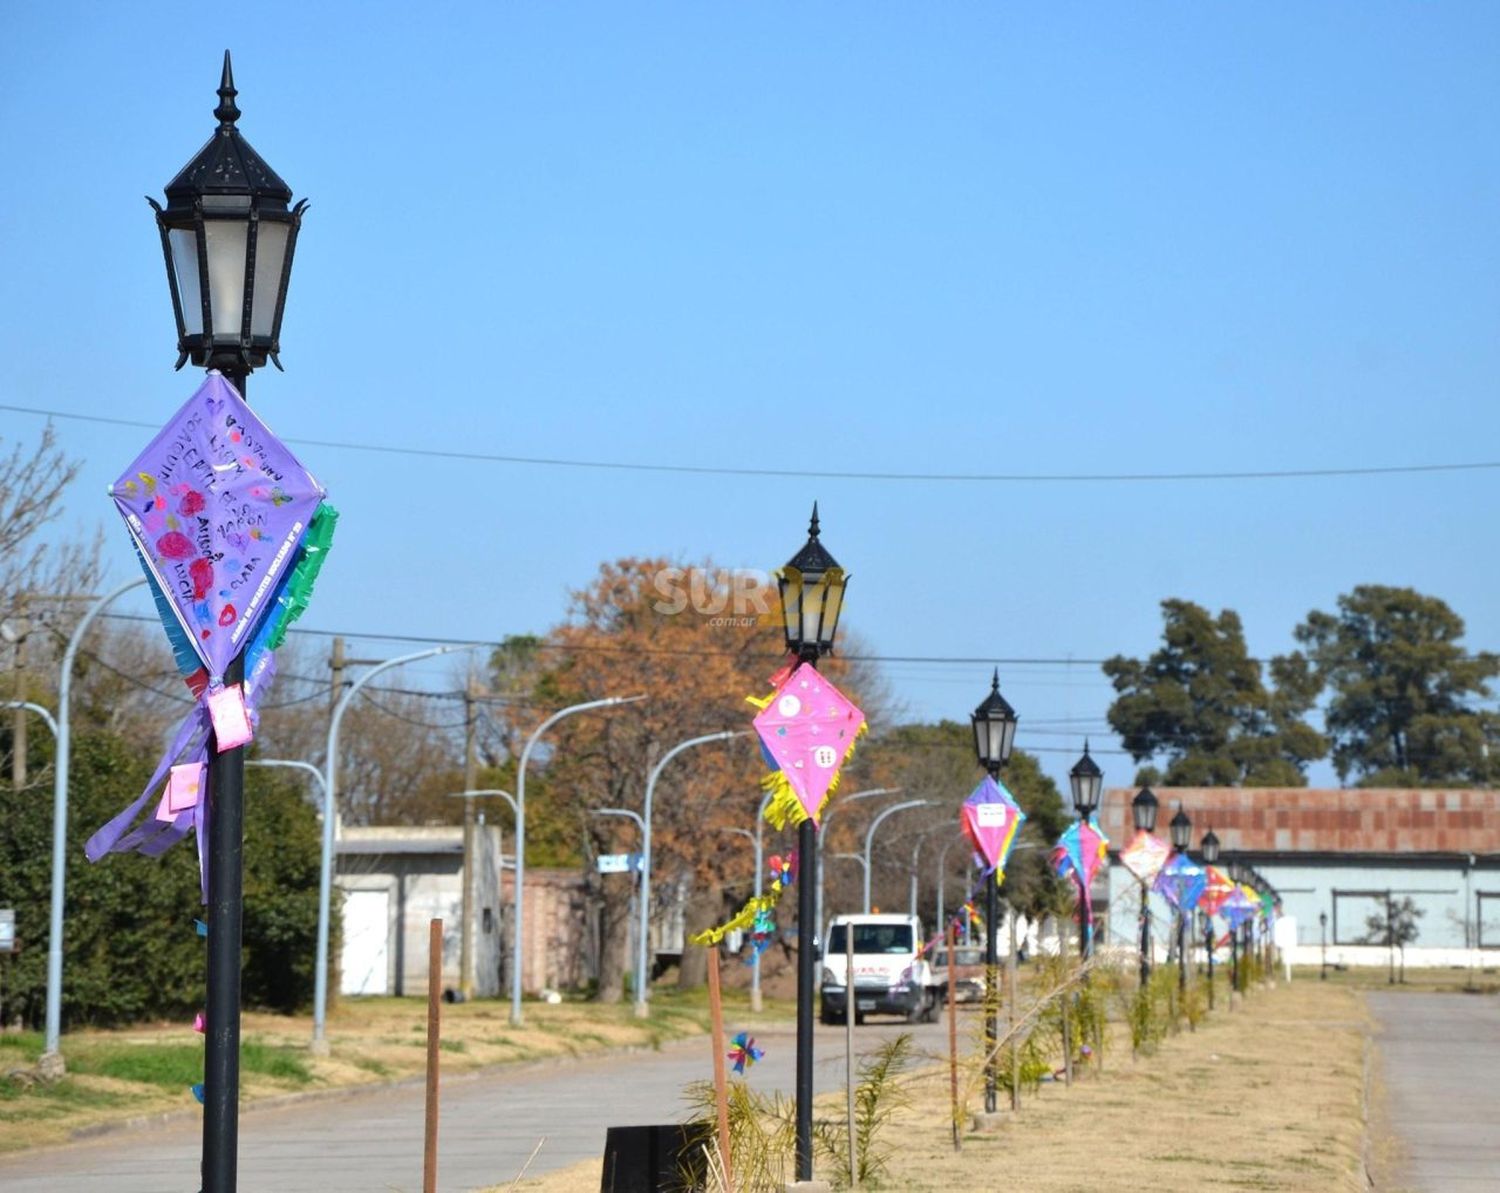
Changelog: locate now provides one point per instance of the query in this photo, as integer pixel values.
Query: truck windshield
(871, 938)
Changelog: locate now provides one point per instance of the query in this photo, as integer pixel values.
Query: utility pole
(471, 775)
(22, 627)
(336, 665)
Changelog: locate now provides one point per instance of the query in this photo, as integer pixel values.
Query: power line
(810, 474)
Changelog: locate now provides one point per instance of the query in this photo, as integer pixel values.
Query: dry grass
(1269, 1097)
(372, 1041)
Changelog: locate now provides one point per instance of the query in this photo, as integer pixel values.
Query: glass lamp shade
(1143, 810)
(228, 238)
(1181, 829)
(1087, 782)
(994, 724)
(812, 597)
(1210, 846)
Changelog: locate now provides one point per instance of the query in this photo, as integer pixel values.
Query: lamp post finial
(227, 112)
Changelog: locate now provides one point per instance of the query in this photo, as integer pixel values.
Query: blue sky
(962, 238)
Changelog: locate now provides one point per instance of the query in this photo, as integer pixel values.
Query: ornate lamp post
(1210, 848)
(228, 236)
(1181, 829)
(812, 596)
(1323, 936)
(1143, 812)
(994, 723)
(1087, 782)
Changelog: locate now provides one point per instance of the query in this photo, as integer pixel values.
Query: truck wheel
(923, 1011)
(826, 1017)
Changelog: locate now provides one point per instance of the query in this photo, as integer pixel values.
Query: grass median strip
(146, 1070)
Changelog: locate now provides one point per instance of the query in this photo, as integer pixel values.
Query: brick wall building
(1339, 853)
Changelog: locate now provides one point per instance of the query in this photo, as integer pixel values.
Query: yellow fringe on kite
(785, 807)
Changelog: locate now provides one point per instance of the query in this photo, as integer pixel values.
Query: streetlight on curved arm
(518, 903)
(875, 824)
(64, 736)
(627, 814)
(642, 943)
(330, 820)
(833, 806)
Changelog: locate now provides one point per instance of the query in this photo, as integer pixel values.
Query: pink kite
(990, 818)
(1145, 856)
(808, 727)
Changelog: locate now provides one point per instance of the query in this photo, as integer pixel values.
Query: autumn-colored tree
(695, 662)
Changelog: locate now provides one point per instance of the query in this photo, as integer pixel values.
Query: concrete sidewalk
(490, 1125)
(1440, 1059)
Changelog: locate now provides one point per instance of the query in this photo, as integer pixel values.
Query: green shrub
(129, 949)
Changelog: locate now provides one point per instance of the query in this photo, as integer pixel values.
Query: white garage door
(367, 941)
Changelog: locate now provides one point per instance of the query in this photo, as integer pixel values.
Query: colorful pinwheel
(744, 1053)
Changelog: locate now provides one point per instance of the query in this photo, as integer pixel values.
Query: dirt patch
(1269, 1097)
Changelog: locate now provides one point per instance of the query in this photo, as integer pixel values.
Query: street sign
(7, 930)
(619, 863)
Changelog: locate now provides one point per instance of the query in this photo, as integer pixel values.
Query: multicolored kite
(1145, 856)
(1180, 882)
(1240, 906)
(1216, 888)
(1079, 852)
(990, 818)
(809, 728)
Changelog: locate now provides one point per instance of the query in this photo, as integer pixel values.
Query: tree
(1401, 686)
(1202, 702)
(1394, 926)
(936, 762)
(695, 669)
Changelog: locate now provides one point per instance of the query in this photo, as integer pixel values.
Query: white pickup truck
(891, 976)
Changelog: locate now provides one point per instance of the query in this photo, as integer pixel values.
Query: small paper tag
(231, 721)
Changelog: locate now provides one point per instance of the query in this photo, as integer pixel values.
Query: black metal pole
(1234, 962)
(991, 988)
(1145, 936)
(1182, 955)
(1208, 946)
(807, 980)
(226, 844)
(1323, 934)
(1085, 919)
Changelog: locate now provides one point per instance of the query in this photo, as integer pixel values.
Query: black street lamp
(1323, 935)
(228, 237)
(1087, 782)
(1181, 829)
(994, 723)
(1210, 847)
(812, 595)
(1143, 810)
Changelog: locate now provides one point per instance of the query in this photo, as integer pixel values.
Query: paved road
(1440, 1055)
(490, 1124)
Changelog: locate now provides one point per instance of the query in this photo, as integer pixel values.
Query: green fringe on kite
(310, 557)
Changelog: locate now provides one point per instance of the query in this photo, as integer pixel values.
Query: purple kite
(219, 510)
(1181, 882)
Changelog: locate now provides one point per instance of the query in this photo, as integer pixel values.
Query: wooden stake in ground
(952, 1038)
(849, 1049)
(1010, 995)
(434, 1034)
(1067, 1033)
(721, 1077)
